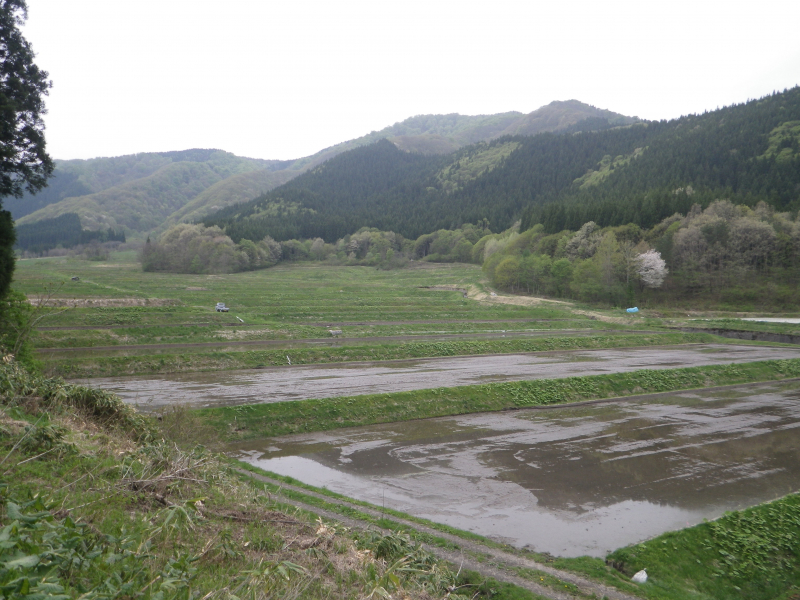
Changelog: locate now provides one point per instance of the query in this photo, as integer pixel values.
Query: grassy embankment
(73, 366)
(745, 554)
(282, 418)
(97, 505)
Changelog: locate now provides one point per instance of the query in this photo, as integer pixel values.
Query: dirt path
(494, 298)
(472, 555)
(102, 302)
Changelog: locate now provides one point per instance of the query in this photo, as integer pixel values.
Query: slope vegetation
(151, 191)
(639, 173)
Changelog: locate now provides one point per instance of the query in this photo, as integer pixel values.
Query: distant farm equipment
(221, 307)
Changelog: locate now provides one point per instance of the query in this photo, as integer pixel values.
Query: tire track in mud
(496, 563)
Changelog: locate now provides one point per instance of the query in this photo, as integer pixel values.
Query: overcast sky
(284, 79)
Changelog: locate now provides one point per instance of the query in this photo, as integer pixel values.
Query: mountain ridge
(77, 183)
(639, 173)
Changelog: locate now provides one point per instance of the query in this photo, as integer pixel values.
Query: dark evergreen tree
(24, 163)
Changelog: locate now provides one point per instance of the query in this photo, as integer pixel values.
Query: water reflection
(281, 384)
(571, 481)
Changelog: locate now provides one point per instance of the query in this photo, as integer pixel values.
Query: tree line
(190, 248)
(64, 231)
(702, 255)
(723, 254)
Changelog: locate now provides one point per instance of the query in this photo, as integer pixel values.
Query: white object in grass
(640, 577)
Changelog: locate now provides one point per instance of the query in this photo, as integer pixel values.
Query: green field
(117, 314)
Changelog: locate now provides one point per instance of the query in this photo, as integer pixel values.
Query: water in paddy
(280, 384)
(569, 481)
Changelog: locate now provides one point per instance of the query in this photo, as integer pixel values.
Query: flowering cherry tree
(651, 268)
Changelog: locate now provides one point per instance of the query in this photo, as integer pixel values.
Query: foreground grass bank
(95, 504)
(112, 366)
(750, 554)
(283, 418)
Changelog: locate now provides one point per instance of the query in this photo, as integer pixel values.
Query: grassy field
(143, 361)
(119, 310)
(293, 294)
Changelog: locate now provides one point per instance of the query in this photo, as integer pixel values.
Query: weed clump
(19, 388)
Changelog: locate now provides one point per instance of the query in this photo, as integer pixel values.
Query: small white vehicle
(221, 307)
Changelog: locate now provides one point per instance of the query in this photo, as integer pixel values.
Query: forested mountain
(560, 116)
(65, 231)
(138, 191)
(639, 173)
(75, 178)
(745, 153)
(150, 191)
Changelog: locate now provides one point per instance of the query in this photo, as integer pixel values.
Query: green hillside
(384, 187)
(151, 191)
(234, 189)
(75, 178)
(142, 204)
(743, 153)
(639, 173)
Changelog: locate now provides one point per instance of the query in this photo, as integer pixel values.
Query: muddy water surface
(570, 481)
(280, 384)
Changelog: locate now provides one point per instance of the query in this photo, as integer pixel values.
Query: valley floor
(218, 534)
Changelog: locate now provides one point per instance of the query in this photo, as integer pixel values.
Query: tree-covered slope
(367, 186)
(151, 191)
(74, 178)
(234, 189)
(562, 115)
(638, 173)
(384, 187)
(139, 191)
(745, 153)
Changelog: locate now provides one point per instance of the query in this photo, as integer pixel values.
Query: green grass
(299, 293)
(282, 418)
(121, 334)
(94, 504)
(133, 362)
(745, 554)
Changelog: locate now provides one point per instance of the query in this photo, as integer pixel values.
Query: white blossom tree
(652, 269)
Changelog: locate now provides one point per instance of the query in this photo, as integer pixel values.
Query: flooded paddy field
(579, 480)
(281, 384)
